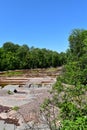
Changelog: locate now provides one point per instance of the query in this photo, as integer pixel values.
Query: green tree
(9, 46)
(75, 70)
(78, 42)
(21, 54)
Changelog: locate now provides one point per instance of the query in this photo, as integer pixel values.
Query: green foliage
(10, 47)
(71, 101)
(78, 42)
(16, 108)
(45, 104)
(9, 92)
(12, 73)
(13, 56)
(76, 67)
(79, 124)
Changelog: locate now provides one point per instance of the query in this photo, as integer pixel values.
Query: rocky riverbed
(28, 101)
(20, 109)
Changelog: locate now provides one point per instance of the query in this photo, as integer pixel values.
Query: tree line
(14, 56)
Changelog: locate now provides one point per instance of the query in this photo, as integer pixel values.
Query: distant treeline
(14, 56)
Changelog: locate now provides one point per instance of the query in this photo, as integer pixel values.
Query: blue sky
(41, 23)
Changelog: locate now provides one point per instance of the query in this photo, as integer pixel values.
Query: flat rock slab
(4, 109)
(28, 100)
(11, 87)
(4, 126)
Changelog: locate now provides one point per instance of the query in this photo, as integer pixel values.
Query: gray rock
(4, 126)
(11, 87)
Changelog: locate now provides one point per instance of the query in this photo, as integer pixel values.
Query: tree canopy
(76, 67)
(14, 56)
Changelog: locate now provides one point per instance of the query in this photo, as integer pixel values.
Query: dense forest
(14, 56)
(69, 94)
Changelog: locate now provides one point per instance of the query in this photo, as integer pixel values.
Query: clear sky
(41, 23)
